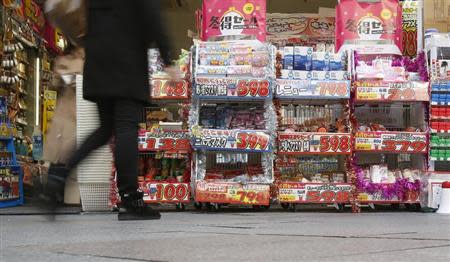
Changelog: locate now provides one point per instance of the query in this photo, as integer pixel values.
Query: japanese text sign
(314, 143)
(237, 140)
(394, 142)
(234, 17)
(213, 88)
(364, 21)
(291, 192)
(232, 193)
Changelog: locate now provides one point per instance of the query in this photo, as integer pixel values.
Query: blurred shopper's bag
(69, 16)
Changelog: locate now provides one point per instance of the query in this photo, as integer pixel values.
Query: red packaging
(234, 17)
(368, 21)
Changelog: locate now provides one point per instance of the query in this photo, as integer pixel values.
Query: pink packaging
(234, 17)
(368, 21)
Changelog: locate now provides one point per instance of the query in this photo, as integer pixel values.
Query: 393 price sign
(314, 143)
(168, 89)
(165, 192)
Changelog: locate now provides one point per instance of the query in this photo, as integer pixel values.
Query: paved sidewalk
(229, 236)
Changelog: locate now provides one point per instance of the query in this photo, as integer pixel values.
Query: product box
(320, 61)
(288, 57)
(315, 75)
(337, 62)
(303, 58)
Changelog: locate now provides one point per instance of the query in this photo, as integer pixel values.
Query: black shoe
(47, 196)
(134, 208)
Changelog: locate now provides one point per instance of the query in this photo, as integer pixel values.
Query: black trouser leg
(126, 153)
(99, 137)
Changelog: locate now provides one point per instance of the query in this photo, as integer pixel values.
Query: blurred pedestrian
(116, 78)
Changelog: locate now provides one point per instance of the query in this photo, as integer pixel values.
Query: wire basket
(95, 196)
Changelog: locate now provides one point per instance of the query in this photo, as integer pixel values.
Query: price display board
(292, 192)
(312, 89)
(391, 91)
(156, 192)
(314, 143)
(236, 140)
(232, 88)
(232, 193)
(162, 88)
(393, 142)
(169, 141)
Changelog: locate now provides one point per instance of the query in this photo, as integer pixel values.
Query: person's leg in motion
(126, 155)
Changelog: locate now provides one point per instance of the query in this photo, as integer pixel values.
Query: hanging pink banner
(363, 21)
(234, 17)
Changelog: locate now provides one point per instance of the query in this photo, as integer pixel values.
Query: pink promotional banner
(364, 21)
(234, 17)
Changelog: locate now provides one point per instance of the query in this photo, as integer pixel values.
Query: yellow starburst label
(386, 14)
(248, 8)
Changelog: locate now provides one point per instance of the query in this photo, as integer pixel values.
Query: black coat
(119, 34)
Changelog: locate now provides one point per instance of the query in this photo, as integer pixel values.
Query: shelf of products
(390, 134)
(232, 123)
(11, 185)
(164, 141)
(314, 138)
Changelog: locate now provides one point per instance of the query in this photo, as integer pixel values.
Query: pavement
(237, 235)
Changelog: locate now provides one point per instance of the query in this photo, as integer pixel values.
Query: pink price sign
(234, 17)
(368, 21)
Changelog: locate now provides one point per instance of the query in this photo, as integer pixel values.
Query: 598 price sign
(310, 143)
(211, 88)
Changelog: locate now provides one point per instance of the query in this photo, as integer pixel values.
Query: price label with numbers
(392, 91)
(168, 89)
(168, 141)
(155, 192)
(236, 140)
(291, 192)
(394, 142)
(314, 143)
(232, 88)
(313, 89)
(232, 193)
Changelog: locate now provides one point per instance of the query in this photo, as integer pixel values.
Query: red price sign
(253, 88)
(252, 141)
(404, 146)
(152, 142)
(163, 88)
(401, 94)
(335, 144)
(162, 192)
(333, 88)
(250, 197)
(328, 196)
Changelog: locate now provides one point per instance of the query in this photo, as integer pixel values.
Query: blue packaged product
(303, 58)
(337, 62)
(320, 61)
(288, 57)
